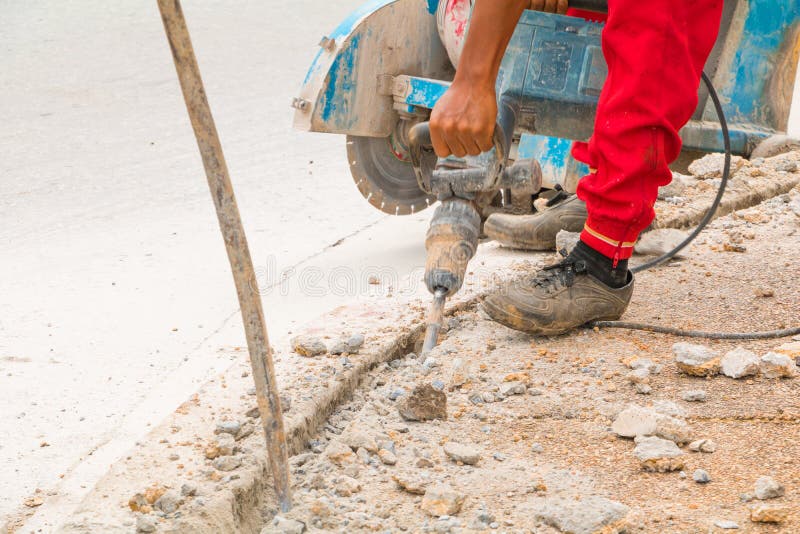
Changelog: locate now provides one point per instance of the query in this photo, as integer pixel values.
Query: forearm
(491, 26)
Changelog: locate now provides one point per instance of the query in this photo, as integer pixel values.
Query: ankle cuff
(607, 246)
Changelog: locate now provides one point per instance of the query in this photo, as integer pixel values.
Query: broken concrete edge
(743, 191)
(239, 506)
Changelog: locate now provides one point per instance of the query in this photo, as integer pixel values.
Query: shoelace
(562, 274)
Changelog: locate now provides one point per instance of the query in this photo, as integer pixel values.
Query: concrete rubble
(497, 430)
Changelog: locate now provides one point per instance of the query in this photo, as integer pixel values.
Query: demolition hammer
(452, 237)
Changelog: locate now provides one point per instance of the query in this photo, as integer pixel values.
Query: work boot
(584, 287)
(537, 231)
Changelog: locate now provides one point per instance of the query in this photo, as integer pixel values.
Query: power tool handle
(424, 160)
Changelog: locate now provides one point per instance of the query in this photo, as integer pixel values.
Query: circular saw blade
(384, 176)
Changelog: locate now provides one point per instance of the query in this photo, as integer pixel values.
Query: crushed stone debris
(543, 415)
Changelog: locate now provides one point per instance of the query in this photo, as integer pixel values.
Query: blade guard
(348, 88)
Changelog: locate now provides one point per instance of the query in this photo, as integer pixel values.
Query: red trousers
(655, 51)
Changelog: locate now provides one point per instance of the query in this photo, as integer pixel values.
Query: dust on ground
(548, 459)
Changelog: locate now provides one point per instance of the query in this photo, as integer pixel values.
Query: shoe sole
(502, 317)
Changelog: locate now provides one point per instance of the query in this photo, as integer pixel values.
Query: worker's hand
(550, 6)
(462, 121)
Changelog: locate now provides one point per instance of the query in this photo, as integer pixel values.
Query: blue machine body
(385, 61)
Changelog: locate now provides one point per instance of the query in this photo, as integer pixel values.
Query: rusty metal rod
(230, 224)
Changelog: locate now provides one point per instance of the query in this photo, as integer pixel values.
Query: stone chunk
(284, 525)
(677, 187)
(423, 404)
(701, 476)
(354, 343)
(769, 513)
(768, 488)
(227, 463)
(635, 421)
(659, 455)
(309, 346)
(512, 388)
(673, 429)
(696, 360)
(188, 489)
(442, 499)
(726, 524)
(667, 407)
(145, 523)
(775, 365)
(702, 445)
(645, 363)
(169, 502)
(739, 363)
(459, 452)
(660, 241)
(589, 515)
(228, 427)
(694, 395)
(711, 166)
(791, 349)
(410, 484)
(349, 345)
(355, 438)
(339, 453)
(225, 444)
(459, 372)
(347, 486)
(639, 376)
(387, 457)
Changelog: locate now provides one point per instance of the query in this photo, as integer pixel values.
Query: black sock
(600, 266)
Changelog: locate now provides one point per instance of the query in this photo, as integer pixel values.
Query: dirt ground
(548, 457)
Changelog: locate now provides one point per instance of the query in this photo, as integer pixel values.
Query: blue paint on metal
(340, 86)
(349, 24)
(313, 68)
(553, 154)
(433, 5)
(345, 28)
(425, 92)
(765, 29)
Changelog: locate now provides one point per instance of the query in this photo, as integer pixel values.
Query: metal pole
(230, 224)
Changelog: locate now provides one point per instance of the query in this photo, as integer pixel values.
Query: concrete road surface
(117, 300)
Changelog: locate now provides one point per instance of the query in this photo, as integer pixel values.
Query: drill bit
(434, 320)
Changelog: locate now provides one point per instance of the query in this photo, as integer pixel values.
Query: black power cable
(769, 334)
